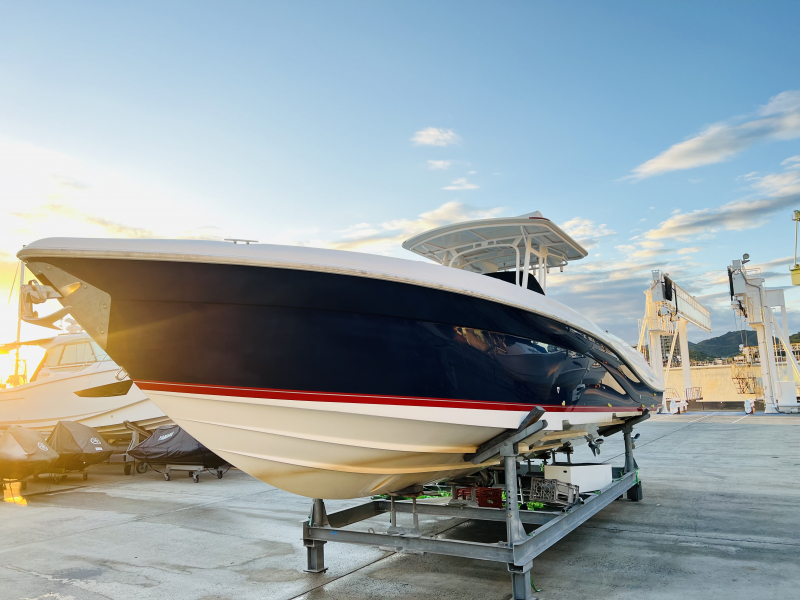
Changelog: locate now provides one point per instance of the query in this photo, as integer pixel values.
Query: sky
(660, 135)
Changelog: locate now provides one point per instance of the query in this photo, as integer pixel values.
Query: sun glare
(29, 356)
(29, 359)
(12, 493)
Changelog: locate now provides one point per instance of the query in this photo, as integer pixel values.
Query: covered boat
(24, 453)
(78, 446)
(170, 444)
(336, 374)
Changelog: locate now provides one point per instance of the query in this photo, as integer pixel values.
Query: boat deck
(718, 521)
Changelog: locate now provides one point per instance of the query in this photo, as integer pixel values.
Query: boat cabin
(64, 353)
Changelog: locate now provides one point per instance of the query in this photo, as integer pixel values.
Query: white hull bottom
(348, 450)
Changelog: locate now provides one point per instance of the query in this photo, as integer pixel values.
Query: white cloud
(359, 231)
(63, 212)
(648, 249)
(793, 162)
(439, 165)
(50, 193)
(737, 215)
(779, 119)
(45, 193)
(435, 137)
(690, 250)
(782, 190)
(778, 184)
(461, 184)
(586, 232)
(387, 237)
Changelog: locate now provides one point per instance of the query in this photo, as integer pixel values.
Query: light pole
(796, 268)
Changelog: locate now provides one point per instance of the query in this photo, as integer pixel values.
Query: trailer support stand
(515, 532)
(316, 548)
(519, 548)
(521, 582)
(634, 493)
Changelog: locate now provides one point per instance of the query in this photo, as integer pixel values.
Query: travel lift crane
(669, 308)
(752, 300)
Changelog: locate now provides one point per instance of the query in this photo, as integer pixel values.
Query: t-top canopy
(490, 245)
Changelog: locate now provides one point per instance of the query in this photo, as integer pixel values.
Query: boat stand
(194, 471)
(138, 435)
(517, 551)
(59, 474)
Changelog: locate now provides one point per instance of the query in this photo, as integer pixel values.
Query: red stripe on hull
(222, 390)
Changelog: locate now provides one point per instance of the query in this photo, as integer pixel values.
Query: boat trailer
(517, 551)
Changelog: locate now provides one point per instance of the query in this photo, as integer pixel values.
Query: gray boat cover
(78, 446)
(24, 452)
(170, 444)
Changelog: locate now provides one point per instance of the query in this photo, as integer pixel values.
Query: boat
(78, 446)
(23, 452)
(170, 448)
(334, 374)
(77, 381)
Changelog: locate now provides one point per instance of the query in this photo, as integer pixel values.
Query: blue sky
(661, 134)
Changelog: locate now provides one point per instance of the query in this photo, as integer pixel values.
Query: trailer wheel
(219, 474)
(635, 493)
(142, 467)
(166, 476)
(196, 478)
(127, 469)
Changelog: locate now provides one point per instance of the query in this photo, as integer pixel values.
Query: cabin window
(77, 354)
(99, 354)
(53, 356)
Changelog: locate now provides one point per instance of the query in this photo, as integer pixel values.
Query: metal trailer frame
(59, 474)
(138, 435)
(193, 470)
(520, 549)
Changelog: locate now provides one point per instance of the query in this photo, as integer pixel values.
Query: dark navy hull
(284, 329)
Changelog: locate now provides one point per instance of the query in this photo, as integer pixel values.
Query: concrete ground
(720, 520)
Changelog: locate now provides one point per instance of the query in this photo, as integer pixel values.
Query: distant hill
(699, 356)
(725, 345)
